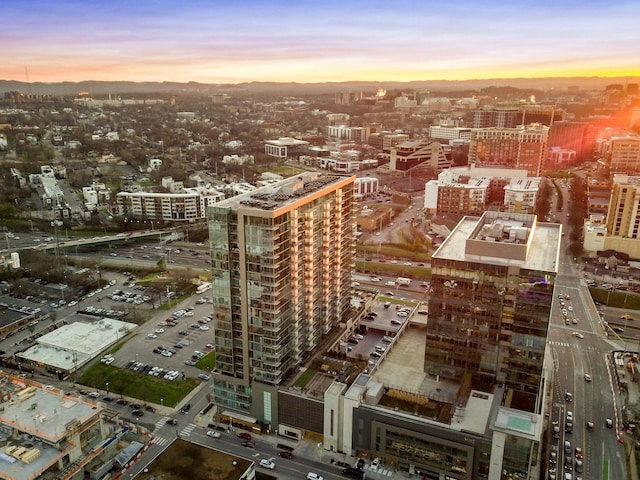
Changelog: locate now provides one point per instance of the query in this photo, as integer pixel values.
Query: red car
(287, 455)
(245, 436)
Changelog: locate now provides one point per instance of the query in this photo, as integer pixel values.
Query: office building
(285, 147)
(410, 154)
(578, 137)
(492, 287)
(281, 262)
(521, 147)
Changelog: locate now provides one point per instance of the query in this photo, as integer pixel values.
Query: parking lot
(172, 341)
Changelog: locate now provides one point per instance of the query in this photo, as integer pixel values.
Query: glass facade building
(281, 261)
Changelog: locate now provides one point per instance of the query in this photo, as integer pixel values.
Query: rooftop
(283, 193)
(72, 345)
(523, 241)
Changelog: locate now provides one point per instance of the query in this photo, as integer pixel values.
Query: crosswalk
(160, 441)
(186, 431)
(160, 423)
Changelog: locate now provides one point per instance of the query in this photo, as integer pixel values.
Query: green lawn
(136, 385)
(306, 376)
(208, 362)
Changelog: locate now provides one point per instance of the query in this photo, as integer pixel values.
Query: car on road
(122, 402)
(355, 473)
(107, 399)
(249, 444)
(577, 335)
(244, 435)
(578, 452)
(213, 434)
(186, 408)
(287, 455)
(624, 316)
(204, 376)
(587, 377)
(568, 397)
(314, 476)
(395, 322)
(609, 423)
(268, 463)
(569, 416)
(137, 413)
(172, 421)
(94, 395)
(375, 279)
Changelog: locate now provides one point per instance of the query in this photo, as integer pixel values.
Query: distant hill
(99, 88)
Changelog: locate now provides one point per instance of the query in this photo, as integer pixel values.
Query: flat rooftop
(70, 346)
(283, 193)
(42, 412)
(403, 369)
(500, 238)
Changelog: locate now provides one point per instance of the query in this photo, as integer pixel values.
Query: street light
(107, 388)
(162, 402)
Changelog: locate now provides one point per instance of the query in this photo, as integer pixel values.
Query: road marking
(160, 423)
(159, 441)
(186, 431)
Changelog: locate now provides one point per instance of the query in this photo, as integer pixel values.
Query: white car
(213, 434)
(152, 335)
(375, 279)
(159, 330)
(577, 335)
(357, 336)
(268, 463)
(204, 327)
(166, 353)
(587, 377)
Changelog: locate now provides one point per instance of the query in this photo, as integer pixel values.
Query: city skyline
(311, 41)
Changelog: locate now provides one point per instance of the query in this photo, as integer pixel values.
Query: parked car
(354, 473)
(244, 435)
(287, 455)
(213, 434)
(314, 476)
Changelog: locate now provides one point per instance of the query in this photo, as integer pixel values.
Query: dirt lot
(187, 460)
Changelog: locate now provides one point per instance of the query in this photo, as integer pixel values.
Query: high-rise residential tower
(281, 260)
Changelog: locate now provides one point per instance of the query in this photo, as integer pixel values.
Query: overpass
(163, 236)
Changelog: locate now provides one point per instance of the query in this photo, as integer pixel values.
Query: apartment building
(440, 132)
(188, 206)
(472, 190)
(281, 269)
(620, 229)
(623, 154)
(520, 147)
(511, 117)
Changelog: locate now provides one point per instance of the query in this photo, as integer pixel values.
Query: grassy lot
(306, 376)
(136, 385)
(208, 362)
(616, 299)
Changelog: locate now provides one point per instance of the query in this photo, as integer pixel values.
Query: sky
(309, 41)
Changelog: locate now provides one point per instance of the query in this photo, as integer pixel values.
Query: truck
(403, 282)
